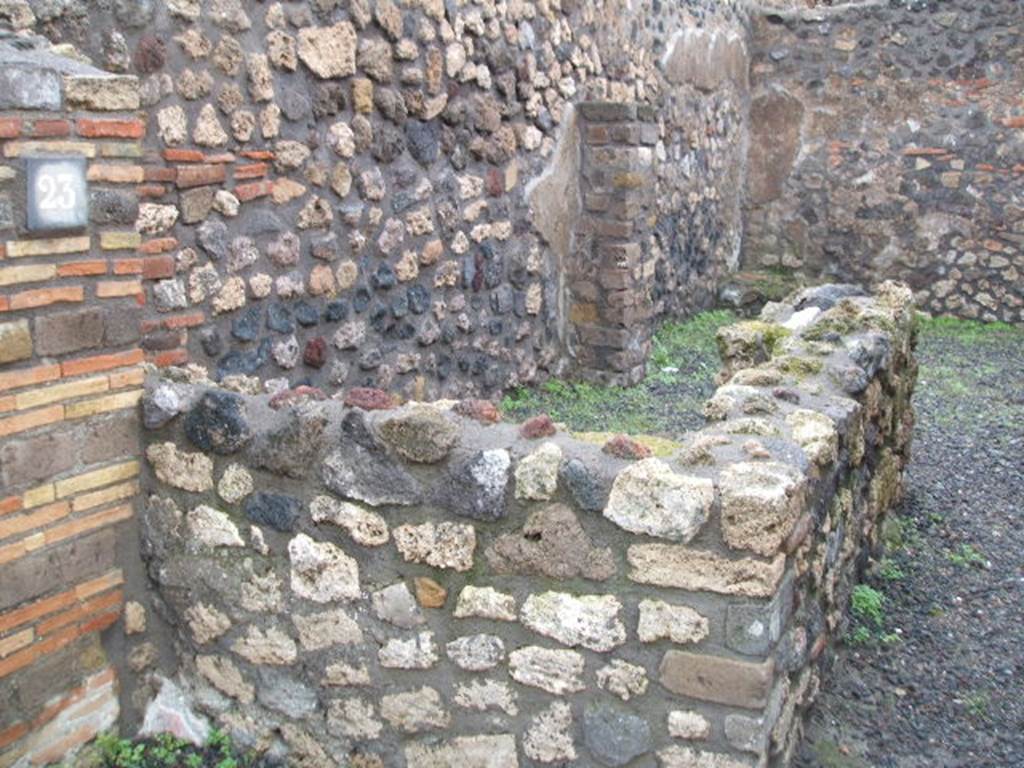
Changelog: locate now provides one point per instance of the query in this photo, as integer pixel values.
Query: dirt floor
(934, 676)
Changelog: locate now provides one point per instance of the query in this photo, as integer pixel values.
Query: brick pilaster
(612, 273)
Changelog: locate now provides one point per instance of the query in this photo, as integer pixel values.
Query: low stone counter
(421, 585)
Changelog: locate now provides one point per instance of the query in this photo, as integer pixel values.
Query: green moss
(848, 317)
(801, 367)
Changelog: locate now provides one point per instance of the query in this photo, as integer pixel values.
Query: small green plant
(866, 604)
(890, 571)
(966, 556)
(165, 750)
(860, 636)
(120, 753)
(977, 704)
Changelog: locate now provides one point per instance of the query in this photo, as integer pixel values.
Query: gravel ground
(947, 689)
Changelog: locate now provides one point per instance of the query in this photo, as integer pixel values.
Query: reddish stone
(315, 354)
(150, 54)
(483, 411)
(494, 182)
(538, 426)
(369, 399)
(623, 447)
(290, 396)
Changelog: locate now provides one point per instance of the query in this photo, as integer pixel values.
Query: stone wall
(352, 192)
(70, 380)
(887, 140)
(350, 582)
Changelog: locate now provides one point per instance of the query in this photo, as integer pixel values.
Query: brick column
(70, 379)
(611, 273)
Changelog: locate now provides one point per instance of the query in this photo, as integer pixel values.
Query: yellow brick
(103, 404)
(35, 273)
(112, 289)
(45, 395)
(131, 377)
(121, 149)
(21, 148)
(104, 496)
(100, 584)
(120, 241)
(33, 497)
(53, 246)
(31, 420)
(17, 641)
(115, 174)
(96, 478)
(34, 542)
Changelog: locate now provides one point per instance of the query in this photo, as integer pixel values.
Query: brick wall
(612, 268)
(70, 378)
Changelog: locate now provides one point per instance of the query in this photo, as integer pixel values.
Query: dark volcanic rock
(273, 509)
(217, 423)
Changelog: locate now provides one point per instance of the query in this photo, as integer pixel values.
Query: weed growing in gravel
(866, 603)
(890, 571)
(977, 704)
(966, 556)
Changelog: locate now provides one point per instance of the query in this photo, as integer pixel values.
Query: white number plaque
(57, 197)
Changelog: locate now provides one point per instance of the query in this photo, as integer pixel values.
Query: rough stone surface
(537, 473)
(326, 628)
(477, 487)
(366, 475)
(591, 621)
(497, 751)
(678, 623)
(549, 737)
(552, 543)
(476, 653)
(415, 711)
(321, 572)
(485, 695)
(555, 671)
(276, 510)
(667, 565)
(442, 545)
(235, 484)
(421, 434)
(212, 528)
(648, 497)
(683, 724)
(485, 603)
(418, 652)
(217, 423)
(181, 469)
(623, 679)
(614, 735)
(396, 605)
(364, 526)
(760, 504)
